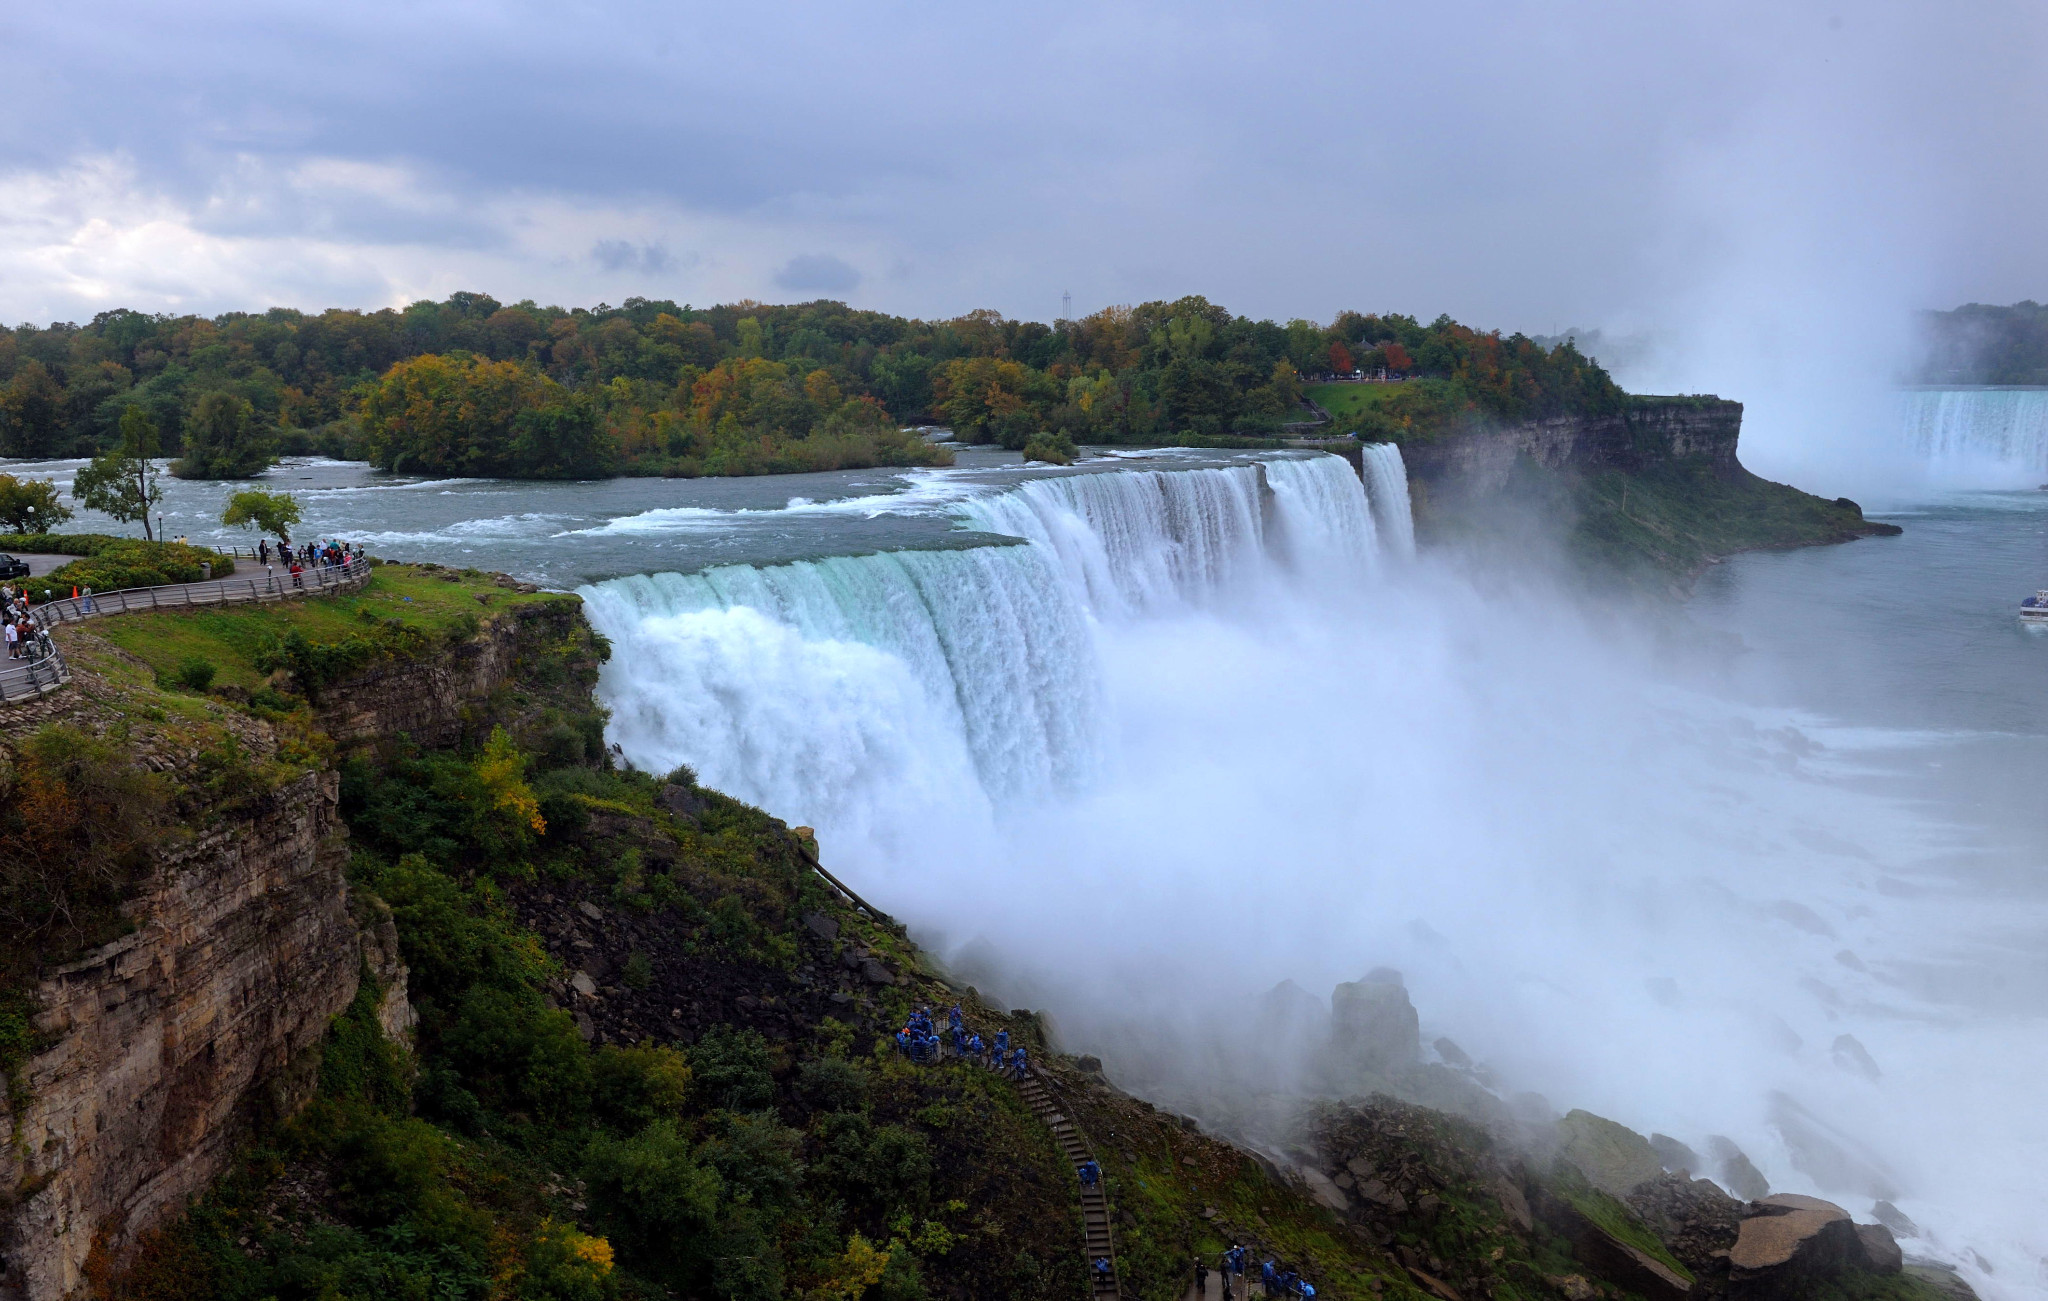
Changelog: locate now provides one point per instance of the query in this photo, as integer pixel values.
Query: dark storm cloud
(1516, 164)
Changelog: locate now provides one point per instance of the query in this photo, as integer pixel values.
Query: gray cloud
(817, 271)
(624, 255)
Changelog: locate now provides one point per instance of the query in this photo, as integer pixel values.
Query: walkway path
(1094, 1198)
(24, 678)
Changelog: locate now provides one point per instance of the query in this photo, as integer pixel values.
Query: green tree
(124, 483)
(223, 440)
(266, 512)
(30, 505)
(31, 412)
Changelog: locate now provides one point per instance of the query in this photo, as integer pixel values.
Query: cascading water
(1181, 745)
(1387, 485)
(830, 689)
(1979, 437)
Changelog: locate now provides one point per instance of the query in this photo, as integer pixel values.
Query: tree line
(474, 386)
(1982, 344)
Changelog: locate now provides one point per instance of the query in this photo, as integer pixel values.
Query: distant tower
(1066, 306)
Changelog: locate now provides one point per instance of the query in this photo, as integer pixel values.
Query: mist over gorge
(1216, 729)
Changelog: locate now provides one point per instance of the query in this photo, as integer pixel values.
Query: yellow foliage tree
(502, 770)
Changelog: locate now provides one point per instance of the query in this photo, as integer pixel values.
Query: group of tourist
(26, 639)
(330, 554)
(1275, 1279)
(920, 1041)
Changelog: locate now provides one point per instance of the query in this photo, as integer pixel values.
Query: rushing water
(1137, 740)
(1979, 437)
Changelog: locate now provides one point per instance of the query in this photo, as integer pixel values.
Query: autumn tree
(224, 440)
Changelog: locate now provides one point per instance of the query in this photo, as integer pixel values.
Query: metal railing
(41, 669)
(274, 586)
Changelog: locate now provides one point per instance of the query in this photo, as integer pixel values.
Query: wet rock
(1360, 1168)
(585, 1027)
(822, 926)
(1693, 1218)
(1676, 1156)
(583, 984)
(1881, 1252)
(1088, 1064)
(1325, 1189)
(1833, 1159)
(1613, 1157)
(1852, 1056)
(1735, 1171)
(682, 801)
(1573, 1287)
(1433, 1285)
(875, 972)
(1452, 1055)
(1622, 1262)
(1790, 1245)
(1895, 1219)
(1373, 1025)
(1942, 1279)
(1387, 1199)
(1514, 1205)
(590, 910)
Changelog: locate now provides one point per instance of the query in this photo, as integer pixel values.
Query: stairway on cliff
(1095, 1229)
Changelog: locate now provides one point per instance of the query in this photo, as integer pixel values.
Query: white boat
(2035, 607)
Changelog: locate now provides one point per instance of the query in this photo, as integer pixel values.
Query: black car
(12, 568)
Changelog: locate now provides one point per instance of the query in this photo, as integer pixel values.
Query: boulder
(1614, 1158)
(1734, 1170)
(822, 926)
(1452, 1055)
(1373, 1026)
(1325, 1189)
(1791, 1245)
(874, 972)
(1894, 1219)
(1514, 1204)
(681, 801)
(1622, 1262)
(1881, 1254)
(1852, 1056)
(1676, 1156)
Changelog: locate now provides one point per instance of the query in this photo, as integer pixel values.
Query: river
(1213, 726)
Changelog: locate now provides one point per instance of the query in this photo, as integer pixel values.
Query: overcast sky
(1724, 180)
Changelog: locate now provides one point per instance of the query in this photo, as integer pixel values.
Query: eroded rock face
(1791, 1243)
(1613, 1157)
(1373, 1026)
(170, 1041)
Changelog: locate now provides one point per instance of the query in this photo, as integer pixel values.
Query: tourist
(263, 551)
(1002, 1047)
(85, 604)
(1105, 1277)
(1201, 1276)
(13, 641)
(296, 572)
(1090, 1172)
(1018, 1064)
(1268, 1272)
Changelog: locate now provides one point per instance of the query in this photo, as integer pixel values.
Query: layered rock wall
(165, 1047)
(1648, 432)
(169, 1042)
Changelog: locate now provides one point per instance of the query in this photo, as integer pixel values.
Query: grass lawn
(441, 602)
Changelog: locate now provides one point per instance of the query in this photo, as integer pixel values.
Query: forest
(477, 387)
(1981, 344)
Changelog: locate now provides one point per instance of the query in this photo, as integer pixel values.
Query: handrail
(218, 591)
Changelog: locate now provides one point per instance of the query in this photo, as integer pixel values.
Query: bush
(1055, 449)
(731, 1069)
(194, 674)
(123, 562)
(657, 1203)
(634, 1087)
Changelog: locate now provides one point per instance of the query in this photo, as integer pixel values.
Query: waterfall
(831, 689)
(1386, 479)
(1986, 436)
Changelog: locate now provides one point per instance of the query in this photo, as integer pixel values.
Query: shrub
(656, 1202)
(124, 562)
(833, 1084)
(634, 1087)
(194, 674)
(1055, 449)
(731, 1069)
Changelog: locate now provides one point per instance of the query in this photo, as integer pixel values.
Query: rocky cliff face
(168, 1042)
(1646, 434)
(160, 1050)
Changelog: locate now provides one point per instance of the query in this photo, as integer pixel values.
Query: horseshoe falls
(1979, 437)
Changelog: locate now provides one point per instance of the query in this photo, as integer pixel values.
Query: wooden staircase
(1094, 1200)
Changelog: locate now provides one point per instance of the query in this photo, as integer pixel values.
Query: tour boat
(2035, 607)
